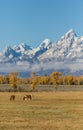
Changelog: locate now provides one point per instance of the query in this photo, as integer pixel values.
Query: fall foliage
(55, 78)
(13, 79)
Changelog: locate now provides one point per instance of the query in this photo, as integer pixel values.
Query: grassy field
(46, 111)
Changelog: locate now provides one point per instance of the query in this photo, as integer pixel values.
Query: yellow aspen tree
(13, 79)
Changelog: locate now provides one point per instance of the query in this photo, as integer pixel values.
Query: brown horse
(12, 97)
(26, 97)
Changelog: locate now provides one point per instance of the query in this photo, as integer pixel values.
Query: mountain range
(65, 55)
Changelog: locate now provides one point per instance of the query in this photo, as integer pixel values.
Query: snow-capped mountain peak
(25, 46)
(8, 50)
(22, 47)
(45, 44)
(8, 54)
(69, 35)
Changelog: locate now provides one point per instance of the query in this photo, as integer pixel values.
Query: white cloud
(73, 66)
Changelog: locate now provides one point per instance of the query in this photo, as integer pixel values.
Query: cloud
(36, 67)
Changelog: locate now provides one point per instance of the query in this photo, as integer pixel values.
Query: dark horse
(26, 97)
(12, 97)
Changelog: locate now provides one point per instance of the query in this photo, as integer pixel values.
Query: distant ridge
(65, 54)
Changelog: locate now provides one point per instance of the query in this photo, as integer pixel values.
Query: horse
(12, 97)
(26, 97)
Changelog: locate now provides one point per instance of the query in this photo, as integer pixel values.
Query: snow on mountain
(45, 44)
(8, 51)
(15, 54)
(69, 47)
(35, 52)
(43, 47)
(22, 48)
(66, 53)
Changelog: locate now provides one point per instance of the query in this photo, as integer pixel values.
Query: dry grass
(46, 111)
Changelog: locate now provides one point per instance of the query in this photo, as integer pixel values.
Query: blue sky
(31, 21)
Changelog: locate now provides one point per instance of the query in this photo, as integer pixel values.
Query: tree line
(55, 78)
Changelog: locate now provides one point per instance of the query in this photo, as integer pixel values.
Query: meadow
(46, 111)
